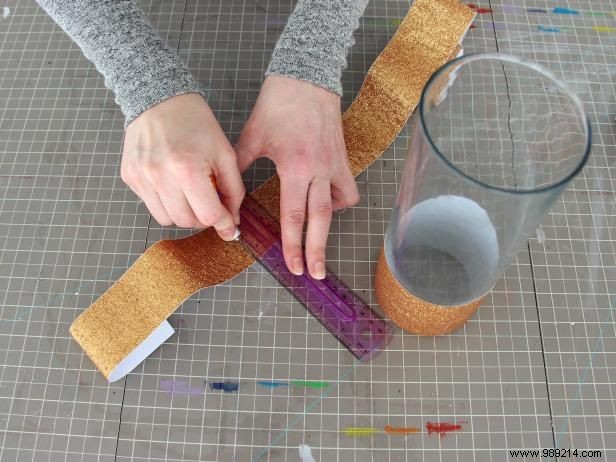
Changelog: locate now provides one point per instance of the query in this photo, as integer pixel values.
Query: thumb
(230, 184)
(248, 149)
(344, 190)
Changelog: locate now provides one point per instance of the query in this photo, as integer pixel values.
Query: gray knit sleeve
(315, 41)
(117, 37)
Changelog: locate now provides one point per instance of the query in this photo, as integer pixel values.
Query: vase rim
(504, 57)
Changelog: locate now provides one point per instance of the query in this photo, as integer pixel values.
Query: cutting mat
(536, 368)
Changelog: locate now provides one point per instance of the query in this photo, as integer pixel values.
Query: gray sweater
(142, 71)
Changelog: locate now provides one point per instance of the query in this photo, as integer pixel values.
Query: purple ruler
(342, 312)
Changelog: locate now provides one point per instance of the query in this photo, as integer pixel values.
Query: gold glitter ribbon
(129, 321)
(414, 314)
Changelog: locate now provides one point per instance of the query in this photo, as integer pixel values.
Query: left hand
(298, 126)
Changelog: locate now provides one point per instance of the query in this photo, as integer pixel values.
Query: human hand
(298, 125)
(170, 152)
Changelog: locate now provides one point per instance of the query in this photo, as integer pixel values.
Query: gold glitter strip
(150, 291)
(413, 314)
(170, 271)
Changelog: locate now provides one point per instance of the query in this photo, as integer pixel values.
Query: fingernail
(298, 266)
(236, 218)
(319, 270)
(228, 234)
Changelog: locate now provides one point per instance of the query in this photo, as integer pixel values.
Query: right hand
(170, 152)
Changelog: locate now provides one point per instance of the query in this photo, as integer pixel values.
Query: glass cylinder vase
(496, 142)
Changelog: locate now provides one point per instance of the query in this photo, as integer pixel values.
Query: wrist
(292, 86)
(289, 64)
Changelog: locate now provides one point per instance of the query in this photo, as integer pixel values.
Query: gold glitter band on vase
(129, 321)
(413, 314)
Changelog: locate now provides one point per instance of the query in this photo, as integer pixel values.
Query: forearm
(117, 37)
(315, 42)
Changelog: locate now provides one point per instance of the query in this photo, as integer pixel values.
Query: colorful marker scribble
(230, 386)
(604, 29)
(477, 9)
(227, 387)
(548, 29)
(360, 432)
(272, 384)
(178, 387)
(315, 384)
(442, 428)
(401, 430)
(566, 11)
(309, 384)
(559, 10)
